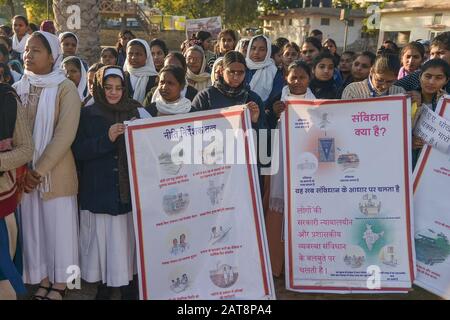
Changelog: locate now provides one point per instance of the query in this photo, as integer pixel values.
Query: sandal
(39, 297)
(62, 293)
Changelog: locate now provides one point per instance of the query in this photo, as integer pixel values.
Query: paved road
(88, 291)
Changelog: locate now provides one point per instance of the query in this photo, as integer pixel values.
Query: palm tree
(88, 31)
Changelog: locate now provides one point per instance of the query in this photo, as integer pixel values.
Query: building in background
(405, 21)
(296, 24)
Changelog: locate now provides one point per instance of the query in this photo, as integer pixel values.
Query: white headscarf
(287, 95)
(262, 81)
(201, 80)
(19, 46)
(139, 76)
(64, 35)
(240, 44)
(45, 116)
(183, 105)
(156, 94)
(213, 70)
(82, 86)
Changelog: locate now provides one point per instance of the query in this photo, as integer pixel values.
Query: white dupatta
(262, 80)
(139, 76)
(45, 115)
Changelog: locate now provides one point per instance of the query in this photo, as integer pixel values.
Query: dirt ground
(88, 292)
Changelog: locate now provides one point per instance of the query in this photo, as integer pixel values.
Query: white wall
(335, 30)
(414, 22)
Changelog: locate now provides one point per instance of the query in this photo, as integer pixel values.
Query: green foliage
(235, 13)
(37, 10)
(269, 5)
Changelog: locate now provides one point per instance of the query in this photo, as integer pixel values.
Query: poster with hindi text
(431, 202)
(197, 208)
(348, 214)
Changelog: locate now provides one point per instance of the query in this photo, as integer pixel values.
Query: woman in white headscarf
(140, 71)
(20, 37)
(262, 75)
(196, 68)
(216, 69)
(49, 208)
(76, 72)
(69, 43)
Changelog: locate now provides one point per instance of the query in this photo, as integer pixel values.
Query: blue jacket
(211, 98)
(98, 164)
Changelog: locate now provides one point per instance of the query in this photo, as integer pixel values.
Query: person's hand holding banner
(115, 131)
(434, 130)
(254, 111)
(278, 108)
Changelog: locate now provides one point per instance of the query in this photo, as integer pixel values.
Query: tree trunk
(89, 31)
(11, 7)
(124, 19)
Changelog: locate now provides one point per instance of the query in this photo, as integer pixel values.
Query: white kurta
(108, 248)
(50, 237)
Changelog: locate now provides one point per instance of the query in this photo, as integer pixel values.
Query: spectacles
(382, 81)
(235, 73)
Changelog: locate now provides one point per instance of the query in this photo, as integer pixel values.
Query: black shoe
(103, 292)
(129, 292)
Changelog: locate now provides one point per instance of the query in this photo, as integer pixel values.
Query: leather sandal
(39, 297)
(62, 293)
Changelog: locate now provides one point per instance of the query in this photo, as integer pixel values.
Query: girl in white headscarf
(76, 72)
(140, 71)
(170, 96)
(69, 43)
(196, 68)
(49, 208)
(263, 75)
(216, 69)
(20, 37)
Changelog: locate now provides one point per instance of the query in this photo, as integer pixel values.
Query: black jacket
(97, 155)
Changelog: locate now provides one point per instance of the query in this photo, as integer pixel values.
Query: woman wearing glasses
(380, 82)
(106, 224)
(230, 89)
(197, 71)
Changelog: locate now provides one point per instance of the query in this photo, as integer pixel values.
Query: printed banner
(212, 24)
(432, 215)
(197, 207)
(348, 204)
(434, 130)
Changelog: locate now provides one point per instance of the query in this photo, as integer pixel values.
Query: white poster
(432, 208)
(211, 24)
(348, 205)
(197, 207)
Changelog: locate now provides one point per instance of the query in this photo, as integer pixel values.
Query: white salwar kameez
(50, 237)
(108, 248)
